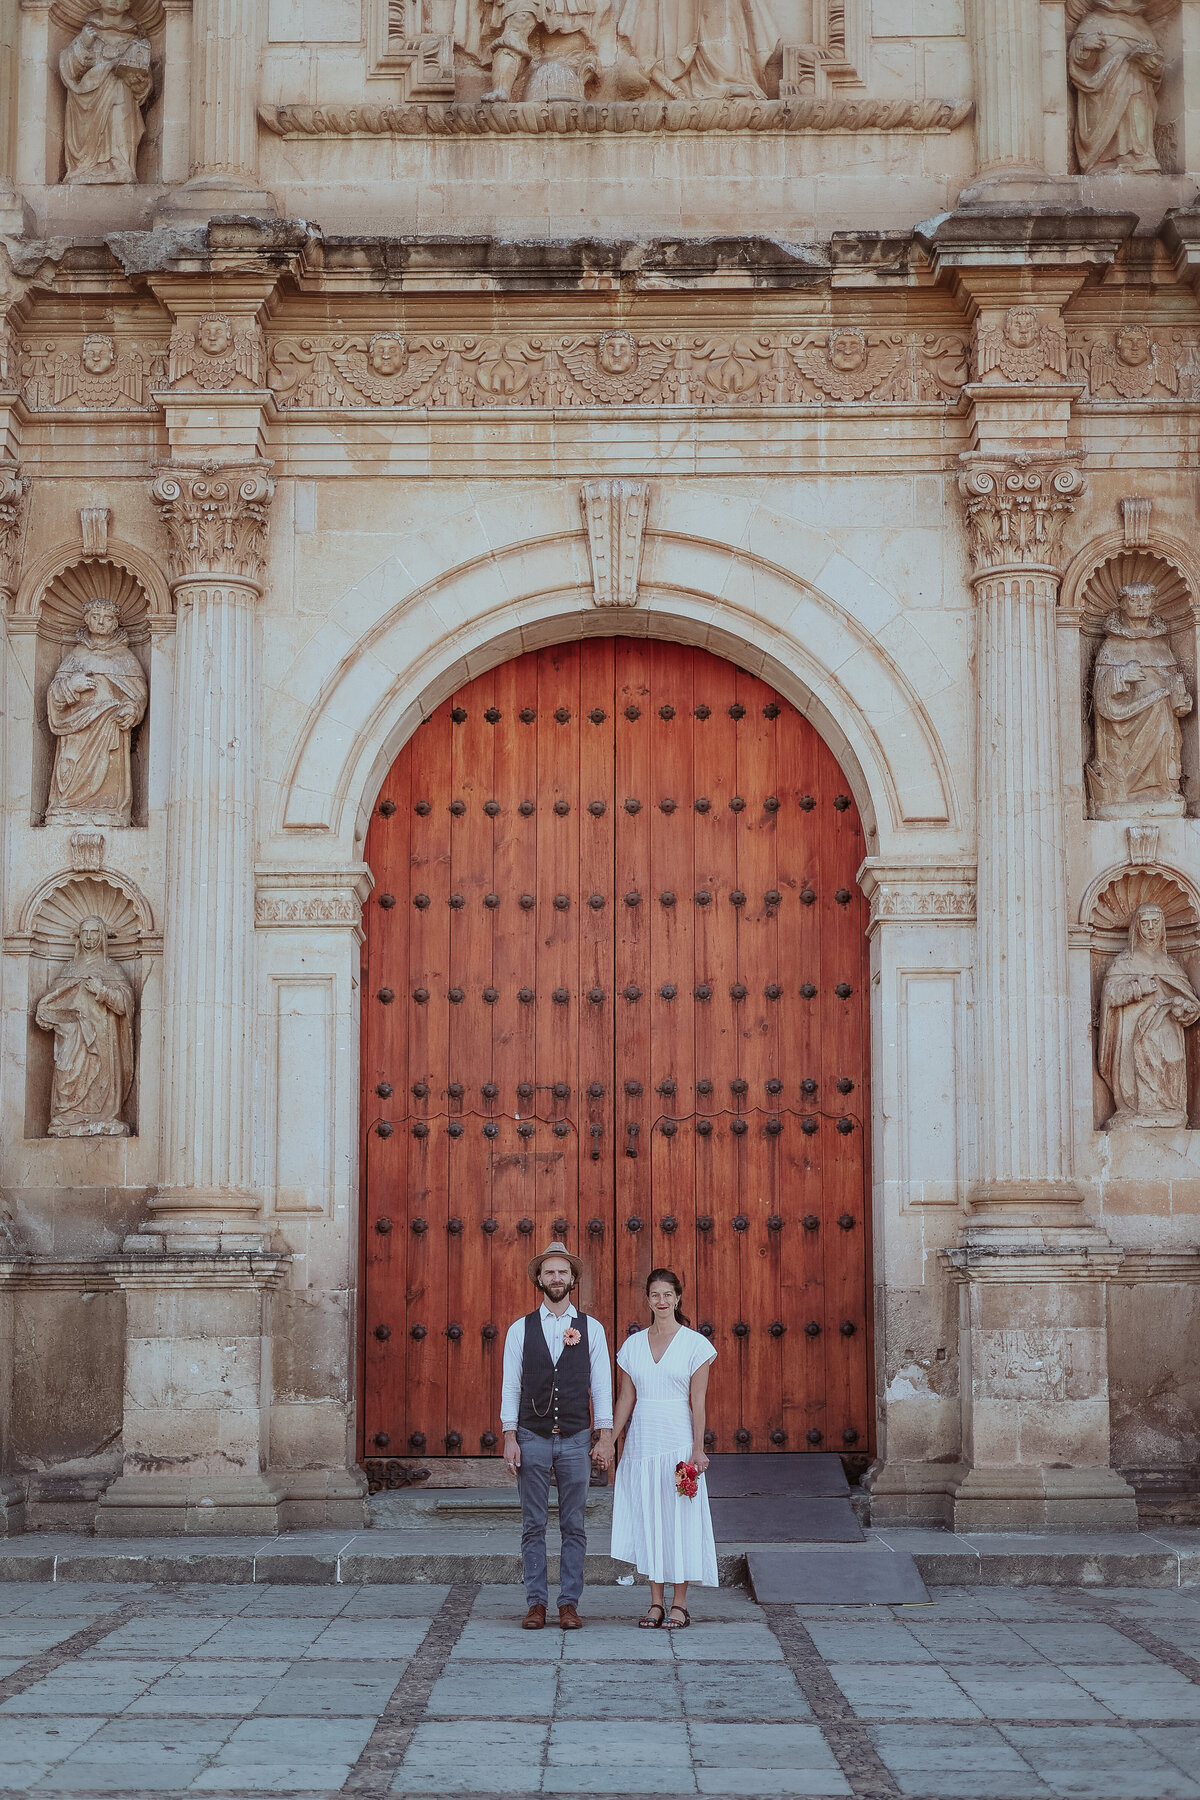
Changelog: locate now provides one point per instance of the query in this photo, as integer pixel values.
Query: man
(555, 1363)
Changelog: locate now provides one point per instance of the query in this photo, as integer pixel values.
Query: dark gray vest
(555, 1397)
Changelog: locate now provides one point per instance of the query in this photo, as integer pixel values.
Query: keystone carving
(216, 521)
(1016, 510)
(614, 513)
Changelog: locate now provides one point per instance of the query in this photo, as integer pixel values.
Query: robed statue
(1116, 66)
(106, 72)
(1146, 1005)
(89, 1008)
(96, 699)
(1139, 696)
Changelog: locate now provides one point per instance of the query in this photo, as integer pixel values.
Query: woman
(664, 1378)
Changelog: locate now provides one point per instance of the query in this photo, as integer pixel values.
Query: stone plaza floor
(239, 1691)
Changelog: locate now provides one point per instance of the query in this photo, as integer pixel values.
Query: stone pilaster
(223, 130)
(1016, 508)
(1007, 57)
(216, 525)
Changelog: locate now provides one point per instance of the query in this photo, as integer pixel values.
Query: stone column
(1007, 59)
(224, 117)
(1016, 509)
(216, 524)
(16, 216)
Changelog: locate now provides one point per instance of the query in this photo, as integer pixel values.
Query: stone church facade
(358, 355)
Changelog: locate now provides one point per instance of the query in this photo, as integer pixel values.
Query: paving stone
(600, 1691)
(1081, 1640)
(764, 1759)
(143, 1637)
(618, 1757)
(902, 1691)
(885, 1641)
(1100, 1762)
(378, 1640)
(625, 1643)
(732, 1644)
(989, 1642)
(473, 1758)
(488, 1691)
(311, 1755)
(29, 1637)
(393, 1602)
(483, 1641)
(36, 1739)
(1138, 1691)
(715, 1691)
(117, 1772)
(959, 1762)
(333, 1689)
(1038, 1693)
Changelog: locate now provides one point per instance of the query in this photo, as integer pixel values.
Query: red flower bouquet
(687, 1478)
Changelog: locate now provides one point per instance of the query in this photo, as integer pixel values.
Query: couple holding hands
(557, 1382)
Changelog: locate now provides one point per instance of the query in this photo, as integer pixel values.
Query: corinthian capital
(1016, 508)
(216, 521)
(14, 487)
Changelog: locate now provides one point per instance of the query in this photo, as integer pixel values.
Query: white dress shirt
(553, 1327)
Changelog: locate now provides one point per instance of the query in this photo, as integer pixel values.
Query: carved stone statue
(96, 699)
(1116, 67)
(517, 21)
(1138, 697)
(106, 72)
(702, 49)
(89, 1008)
(1146, 1005)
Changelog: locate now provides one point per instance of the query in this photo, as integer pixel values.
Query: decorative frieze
(95, 373)
(1022, 346)
(216, 521)
(216, 353)
(619, 368)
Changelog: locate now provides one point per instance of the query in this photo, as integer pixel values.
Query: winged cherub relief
(386, 369)
(847, 366)
(99, 375)
(1131, 365)
(1116, 67)
(215, 354)
(614, 369)
(1022, 348)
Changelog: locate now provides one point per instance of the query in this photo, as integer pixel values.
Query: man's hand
(512, 1452)
(602, 1450)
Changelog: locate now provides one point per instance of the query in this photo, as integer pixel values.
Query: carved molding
(216, 521)
(1135, 521)
(614, 516)
(571, 118)
(913, 893)
(1133, 362)
(93, 529)
(14, 492)
(311, 897)
(616, 368)
(87, 851)
(1017, 508)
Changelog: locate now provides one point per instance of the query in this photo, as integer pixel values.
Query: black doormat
(729, 1476)
(834, 1578)
(785, 1519)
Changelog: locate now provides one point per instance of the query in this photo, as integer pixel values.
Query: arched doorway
(615, 991)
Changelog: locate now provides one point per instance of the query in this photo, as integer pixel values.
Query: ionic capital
(216, 521)
(1016, 509)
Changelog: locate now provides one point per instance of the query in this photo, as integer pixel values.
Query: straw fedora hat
(555, 1249)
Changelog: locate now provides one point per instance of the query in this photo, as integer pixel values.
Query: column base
(913, 1493)
(318, 1499)
(12, 1507)
(1020, 1498)
(1025, 1200)
(1021, 189)
(207, 196)
(189, 1505)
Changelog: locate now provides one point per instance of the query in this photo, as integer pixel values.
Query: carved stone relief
(93, 695)
(1022, 346)
(614, 517)
(1017, 509)
(618, 368)
(216, 352)
(1146, 933)
(216, 521)
(1116, 66)
(106, 72)
(14, 491)
(1134, 363)
(96, 373)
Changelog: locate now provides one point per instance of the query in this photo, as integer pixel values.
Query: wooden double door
(615, 992)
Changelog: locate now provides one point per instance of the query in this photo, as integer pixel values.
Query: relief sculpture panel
(1147, 1004)
(106, 72)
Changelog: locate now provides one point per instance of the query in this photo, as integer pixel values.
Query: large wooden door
(615, 992)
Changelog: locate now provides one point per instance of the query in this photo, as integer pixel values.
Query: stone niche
(1111, 912)
(59, 620)
(67, 18)
(1173, 604)
(52, 945)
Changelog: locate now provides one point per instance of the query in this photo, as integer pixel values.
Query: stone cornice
(918, 893)
(1032, 1255)
(301, 899)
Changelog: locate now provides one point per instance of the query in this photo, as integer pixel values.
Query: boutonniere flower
(570, 1335)
(687, 1477)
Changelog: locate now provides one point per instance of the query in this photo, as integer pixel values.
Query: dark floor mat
(784, 1474)
(784, 1519)
(834, 1578)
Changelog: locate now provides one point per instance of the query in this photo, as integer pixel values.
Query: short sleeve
(702, 1352)
(624, 1355)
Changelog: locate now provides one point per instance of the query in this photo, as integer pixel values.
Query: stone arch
(818, 640)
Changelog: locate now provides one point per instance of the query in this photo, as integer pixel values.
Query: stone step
(458, 1551)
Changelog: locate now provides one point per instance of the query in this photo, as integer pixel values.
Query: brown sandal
(683, 1623)
(646, 1623)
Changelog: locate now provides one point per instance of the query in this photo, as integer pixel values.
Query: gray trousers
(570, 1459)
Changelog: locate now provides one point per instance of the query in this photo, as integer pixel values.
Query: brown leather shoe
(535, 1618)
(569, 1618)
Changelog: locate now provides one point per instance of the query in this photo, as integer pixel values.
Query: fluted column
(1016, 509)
(217, 528)
(1006, 54)
(223, 135)
(15, 215)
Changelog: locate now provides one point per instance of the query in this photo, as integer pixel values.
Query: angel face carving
(215, 335)
(1021, 346)
(99, 354)
(387, 355)
(1021, 327)
(1133, 346)
(616, 353)
(848, 351)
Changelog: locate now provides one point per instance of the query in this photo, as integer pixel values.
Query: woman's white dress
(666, 1536)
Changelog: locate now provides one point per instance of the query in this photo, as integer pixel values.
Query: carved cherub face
(98, 355)
(92, 938)
(616, 353)
(1137, 601)
(1133, 346)
(215, 335)
(847, 351)
(1021, 327)
(101, 618)
(1150, 926)
(387, 355)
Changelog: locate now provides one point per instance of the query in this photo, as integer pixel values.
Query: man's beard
(556, 1290)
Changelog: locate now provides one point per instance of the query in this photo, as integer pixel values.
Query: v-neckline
(656, 1360)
